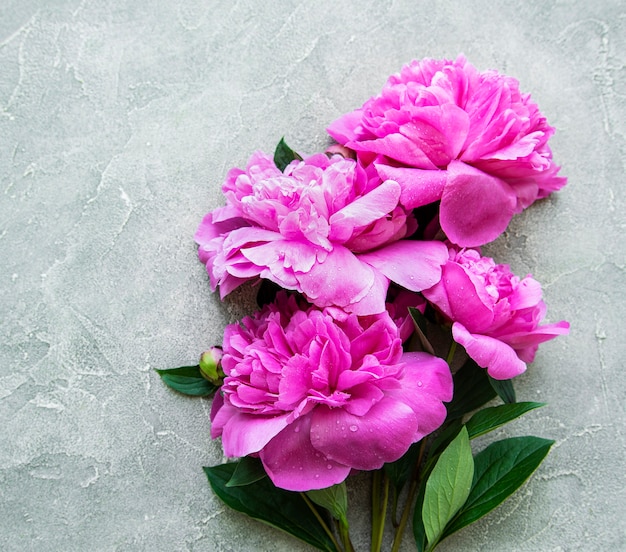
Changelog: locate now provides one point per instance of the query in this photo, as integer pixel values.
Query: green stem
(379, 509)
(415, 479)
(344, 533)
(313, 509)
(451, 352)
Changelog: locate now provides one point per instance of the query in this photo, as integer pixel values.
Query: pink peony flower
(325, 227)
(444, 131)
(315, 393)
(495, 315)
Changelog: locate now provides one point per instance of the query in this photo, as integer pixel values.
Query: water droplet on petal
(329, 466)
(353, 428)
(297, 428)
(317, 476)
(419, 384)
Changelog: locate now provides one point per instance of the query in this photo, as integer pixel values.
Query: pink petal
(398, 147)
(457, 297)
(245, 434)
(282, 255)
(229, 214)
(230, 283)
(364, 442)
(426, 385)
(518, 149)
(366, 209)
(527, 192)
(374, 301)
(527, 354)
(219, 415)
(246, 236)
(499, 358)
(362, 398)
(207, 230)
(292, 463)
(475, 207)
(342, 129)
(541, 334)
(415, 265)
(427, 374)
(440, 131)
(340, 279)
(526, 294)
(419, 186)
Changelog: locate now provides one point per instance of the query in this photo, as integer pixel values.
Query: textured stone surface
(118, 122)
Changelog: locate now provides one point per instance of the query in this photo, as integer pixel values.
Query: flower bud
(211, 365)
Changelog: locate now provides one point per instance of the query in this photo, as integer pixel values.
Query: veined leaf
(334, 499)
(187, 380)
(499, 471)
(448, 487)
(261, 500)
(504, 389)
(491, 418)
(283, 155)
(471, 390)
(248, 470)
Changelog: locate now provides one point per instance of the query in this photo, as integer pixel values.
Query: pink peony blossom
(495, 315)
(444, 131)
(325, 227)
(315, 393)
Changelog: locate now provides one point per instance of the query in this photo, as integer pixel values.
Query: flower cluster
(496, 316)
(325, 227)
(367, 245)
(336, 229)
(446, 132)
(318, 392)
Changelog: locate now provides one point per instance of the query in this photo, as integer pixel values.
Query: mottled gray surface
(118, 122)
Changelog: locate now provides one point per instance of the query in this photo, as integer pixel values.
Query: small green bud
(211, 365)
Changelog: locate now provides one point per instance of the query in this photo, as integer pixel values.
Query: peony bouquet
(382, 331)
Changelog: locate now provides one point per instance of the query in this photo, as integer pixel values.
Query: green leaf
(248, 470)
(499, 471)
(261, 500)
(448, 487)
(504, 389)
(334, 499)
(283, 155)
(399, 471)
(471, 390)
(187, 380)
(491, 418)
(420, 329)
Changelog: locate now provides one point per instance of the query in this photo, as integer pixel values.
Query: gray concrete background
(118, 122)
